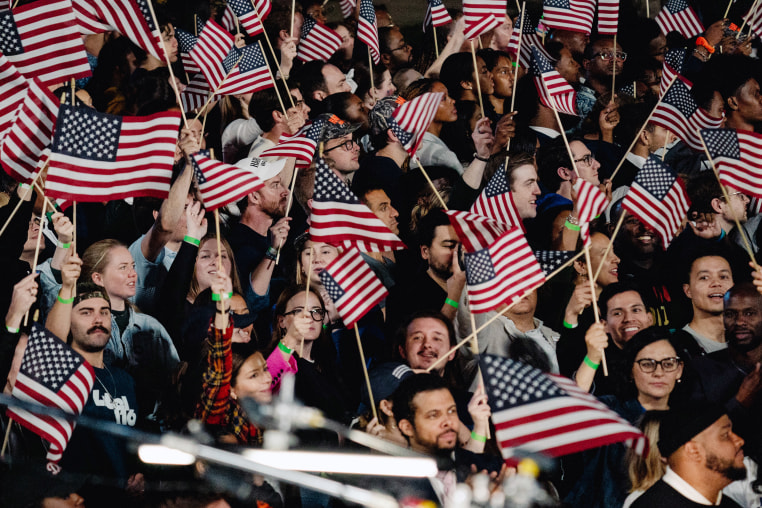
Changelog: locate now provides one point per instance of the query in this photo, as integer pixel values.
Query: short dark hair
(456, 68)
(363, 187)
(713, 251)
(491, 56)
(731, 72)
(551, 156)
(402, 399)
(429, 224)
(401, 337)
(265, 102)
(311, 78)
(616, 288)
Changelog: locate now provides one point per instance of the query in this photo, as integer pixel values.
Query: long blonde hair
(97, 256)
(646, 470)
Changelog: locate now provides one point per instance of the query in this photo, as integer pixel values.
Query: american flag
(13, 89)
(131, 18)
(301, 145)
(546, 413)
(554, 91)
(411, 119)
(476, 232)
(52, 374)
(591, 202)
(318, 42)
(101, 157)
(673, 66)
(247, 15)
(679, 113)
(678, 15)
(482, 16)
(529, 39)
(228, 20)
(496, 201)
(338, 217)
(552, 260)
(367, 29)
(195, 94)
(185, 43)
(628, 90)
(347, 7)
(42, 40)
(31, 132)
(220, 183)
(736, 155)
(657, 197)
(215, 53)
(574, 15)
(352, 286)
(251, 75)
(608, 16)
(754, 19)
(503, 272)
(436, 14)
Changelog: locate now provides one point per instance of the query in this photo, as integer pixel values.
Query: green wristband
(478, 437)
(573, 227)
(216, 297)
(285, 348)
(452, 303)
(65, 301)
(591, 363)
(569, 325)
(11, 329)
(191, 240)
(64, 245)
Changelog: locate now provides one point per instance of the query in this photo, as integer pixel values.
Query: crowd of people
(134, 285)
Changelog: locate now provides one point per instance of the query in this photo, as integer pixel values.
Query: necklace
(113, 382)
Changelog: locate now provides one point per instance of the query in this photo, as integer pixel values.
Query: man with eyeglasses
(602, 60)
(340, 150)
(396, 54)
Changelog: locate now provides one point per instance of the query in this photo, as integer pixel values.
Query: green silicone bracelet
(452, 303)
(573, 227)
(285, 348)
(11, 329)
(65, 301)
(478, 437)
(219, 297)
(191, 240)
(569, 325)
(64, 245)
(591, 363)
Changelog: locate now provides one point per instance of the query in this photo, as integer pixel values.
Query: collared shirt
(551, 133)
(673, 480)
(636, 160)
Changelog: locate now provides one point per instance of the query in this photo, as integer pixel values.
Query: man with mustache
(87, 321)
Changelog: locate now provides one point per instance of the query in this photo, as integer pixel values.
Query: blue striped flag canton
(185, 41)
(328, 186)
(722, 142)
(404, 136)
(307, 26)
(479, 268)
(200, 24)
(240, 7)
(656, 178)
(498, 184)
(528, 26)
(679, 96)
(550, 260)
(676, 6)
(146, 11)
(368, 12)
(315, 130)
(540, 64)
(560, 4)
(675, 58)
(331, 286)
(229, 62)
(48, 360)
(10, 41)
(252, 59)
(84, 133)
(510, 383)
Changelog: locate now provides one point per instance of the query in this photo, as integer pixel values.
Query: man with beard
(704, 456)
(732, 376)
(440, 285)
(396, 54)
(427, 416)
(262, 228)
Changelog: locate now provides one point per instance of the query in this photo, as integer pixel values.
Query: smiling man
(709, 278)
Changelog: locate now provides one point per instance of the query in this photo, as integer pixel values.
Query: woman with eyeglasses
(301, 346)
(652, 370)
